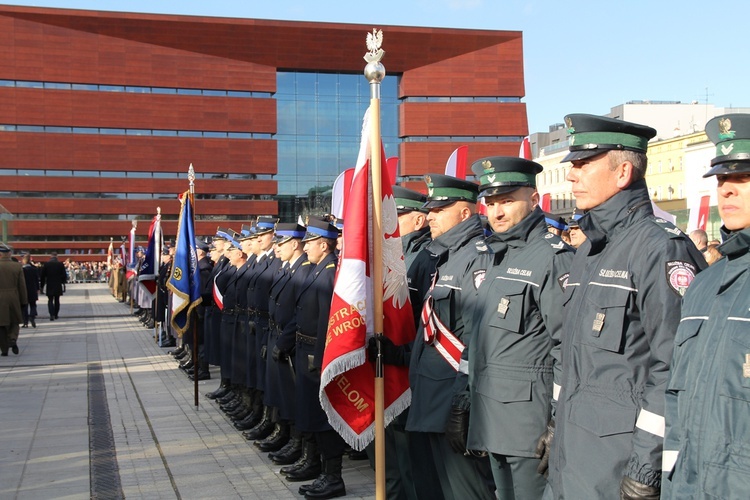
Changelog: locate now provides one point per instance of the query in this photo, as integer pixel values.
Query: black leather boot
(309, 464)
(250, 421)
(220, 391)
(289, 454)
(276, 440)
(263, 429)
(229, 396)
(329, 484)
(178, 351)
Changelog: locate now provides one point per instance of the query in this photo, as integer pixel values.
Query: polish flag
(525, 150)
(703, 212)
(456, 165)
(341, 187)
(347, 388)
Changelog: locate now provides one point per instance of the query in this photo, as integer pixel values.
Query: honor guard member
(280, 373)
(312, 312)
(222, 271)
(13, 298)
(555, 225)
(205, 268)
(621, 313)
(435, 367)
(260, 288)
(574, 230)
(708, 430)
(516, 326)
(243, 346)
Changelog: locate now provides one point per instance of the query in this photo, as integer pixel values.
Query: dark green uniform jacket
(515, 328)
(621, 314)
(431, 377)
(707, 447)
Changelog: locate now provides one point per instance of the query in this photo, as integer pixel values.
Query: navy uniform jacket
(53, 277)
(282, 302)
(431, 377)
(205, 268)
(707, 446)
(31, 275)
(516, 326)
(420, 268)
(621, 314)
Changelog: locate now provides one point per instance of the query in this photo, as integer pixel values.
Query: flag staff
(191, 325)
(375, 72)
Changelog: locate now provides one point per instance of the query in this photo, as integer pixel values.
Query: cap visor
(729, 167)
(310, 237)
(583, 154)
(438, 204)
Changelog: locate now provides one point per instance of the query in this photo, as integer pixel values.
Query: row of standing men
(537, 371)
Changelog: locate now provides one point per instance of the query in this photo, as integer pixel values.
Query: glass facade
(319, 126)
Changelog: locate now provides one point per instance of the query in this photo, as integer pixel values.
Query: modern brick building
(101, 113)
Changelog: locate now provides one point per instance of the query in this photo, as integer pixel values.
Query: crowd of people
(594, 357)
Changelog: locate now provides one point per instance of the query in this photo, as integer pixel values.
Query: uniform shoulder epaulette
(671, 229)
(306, 263)
(557, 244)
(332, 265)
(481, 246)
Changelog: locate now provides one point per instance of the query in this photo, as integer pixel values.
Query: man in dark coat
(31, 275)
(54, 279)
(12, 299)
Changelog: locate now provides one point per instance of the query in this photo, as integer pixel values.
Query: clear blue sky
(580, 56)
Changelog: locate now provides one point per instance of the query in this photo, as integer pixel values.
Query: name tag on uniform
(502, 307)
(746, 367)
(598, 323)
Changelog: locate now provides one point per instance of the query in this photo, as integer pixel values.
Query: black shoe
(276, 440)
(289, 454)
(229, 396)
(178, 351)
(4, 353)
(358, 455)
(33, 323)
(52, 318)
(309, 470)
(183, 355)
(150, 325)
(219, 392)
(57, 317)
(14, 348)
(263, 429)
(326, 486)
(187, 365)
(25, 325)
(202, 375)
(239, 413)
(247, 423)
(315, 484)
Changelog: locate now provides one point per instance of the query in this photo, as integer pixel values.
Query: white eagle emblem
(394, 267)
(374, 42)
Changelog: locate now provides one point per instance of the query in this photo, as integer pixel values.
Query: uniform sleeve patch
(479, 278)
(679, 275)
(331, 266)
(563, 281)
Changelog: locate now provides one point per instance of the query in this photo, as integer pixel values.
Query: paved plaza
(92, 407)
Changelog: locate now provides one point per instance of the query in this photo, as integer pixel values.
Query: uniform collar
(412, 239)
(457, 236)
(736, 243)
(617, 213)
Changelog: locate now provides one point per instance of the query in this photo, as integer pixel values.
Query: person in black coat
(54, 279)
(31, 274)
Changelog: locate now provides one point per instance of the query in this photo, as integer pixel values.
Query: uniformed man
(621, 313)
(280, 373)
(555, 224)
(516, 327)
(574, 230)
(708, 430)
(435, 368)
(311, 316)
(221, 273)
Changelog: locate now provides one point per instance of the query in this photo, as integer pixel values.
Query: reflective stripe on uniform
(668, 459)
(556, 391)
(463, 366)
(651, 422)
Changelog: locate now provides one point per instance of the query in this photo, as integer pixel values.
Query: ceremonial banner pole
(191, 323)
(375, 72)
(157, 264)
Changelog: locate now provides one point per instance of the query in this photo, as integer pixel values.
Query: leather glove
(630, 489)
(543, 448)
(458, 423)
(277, 355)
(392, 354)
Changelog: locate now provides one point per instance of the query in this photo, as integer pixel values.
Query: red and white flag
(456, 164)
(340, 192)
(525, 149)
(347, 389)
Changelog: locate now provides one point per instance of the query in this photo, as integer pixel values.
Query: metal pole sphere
(375, 72)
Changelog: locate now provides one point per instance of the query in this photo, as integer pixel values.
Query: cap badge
(487, 165)
(569, 124)
(491, 178)
(725, 150)
(725, 132)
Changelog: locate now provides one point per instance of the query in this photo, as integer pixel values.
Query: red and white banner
(525, 149)
(341, 187)
(347, 389)
(703, 212)
(456, 165)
